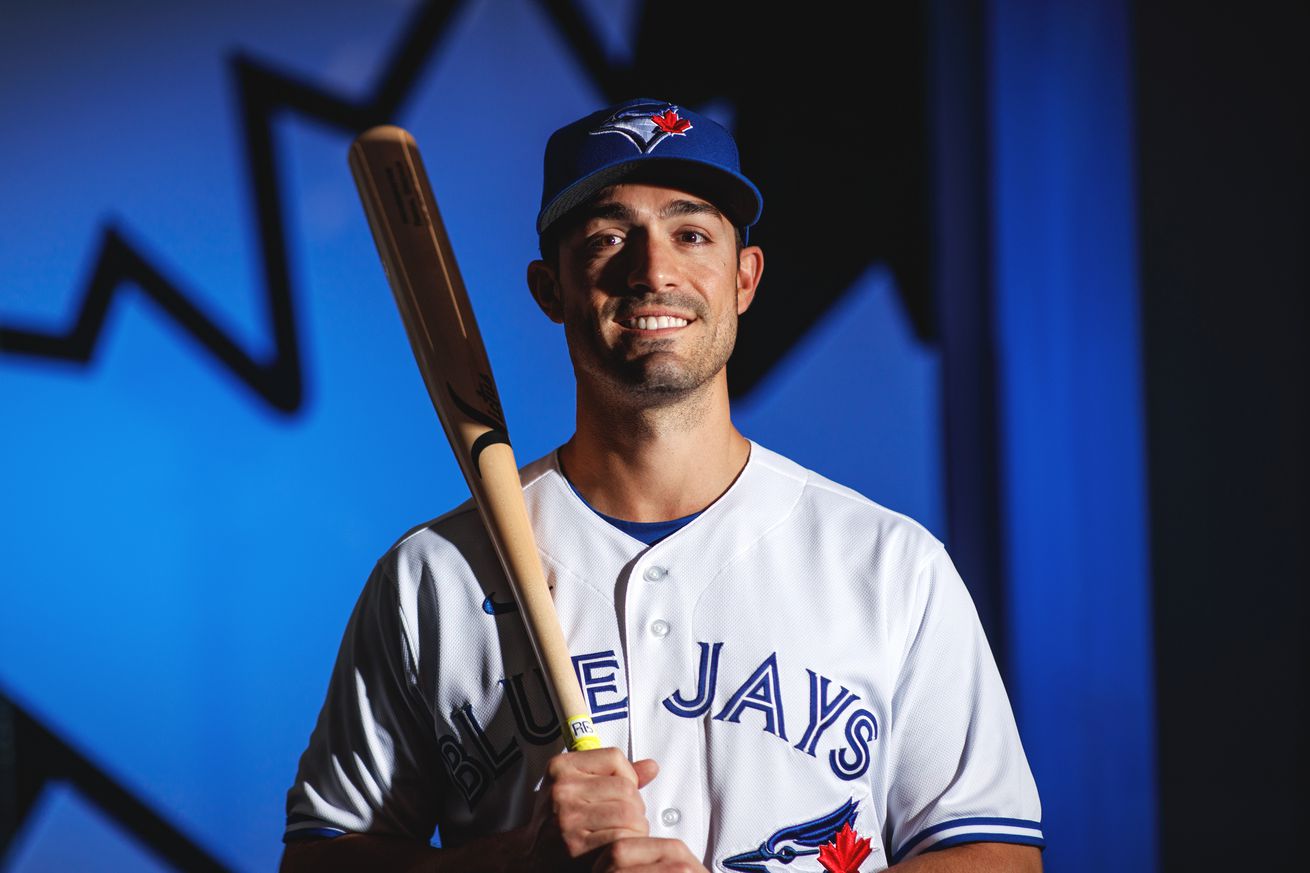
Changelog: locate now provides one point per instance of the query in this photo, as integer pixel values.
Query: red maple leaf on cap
(669, 122)
(845, 852)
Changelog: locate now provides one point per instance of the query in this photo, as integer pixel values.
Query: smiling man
(786, 675)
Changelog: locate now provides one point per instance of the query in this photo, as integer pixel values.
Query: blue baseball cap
(650, 141)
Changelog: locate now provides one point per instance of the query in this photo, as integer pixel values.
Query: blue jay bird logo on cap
(646, 125)
(793, 841)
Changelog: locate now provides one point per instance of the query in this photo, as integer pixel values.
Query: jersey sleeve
(958, 773)
(370, 766)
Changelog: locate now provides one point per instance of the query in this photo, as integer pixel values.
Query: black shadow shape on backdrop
(262, 94)
(31, 757)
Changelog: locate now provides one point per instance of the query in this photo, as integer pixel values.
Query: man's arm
(960, 777)
(589, 801)
(352, 852)
(976, 858)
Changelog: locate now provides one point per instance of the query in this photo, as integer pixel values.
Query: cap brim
(734, 194)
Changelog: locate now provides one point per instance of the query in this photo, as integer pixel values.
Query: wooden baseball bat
(434, 305)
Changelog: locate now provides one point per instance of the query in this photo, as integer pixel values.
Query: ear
(545, 289)
(750, 267)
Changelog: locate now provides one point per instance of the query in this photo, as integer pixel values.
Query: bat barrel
(443, 334)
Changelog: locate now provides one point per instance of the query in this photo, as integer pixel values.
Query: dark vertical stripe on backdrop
(1225, 218)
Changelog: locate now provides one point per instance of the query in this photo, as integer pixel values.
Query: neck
(655, 463)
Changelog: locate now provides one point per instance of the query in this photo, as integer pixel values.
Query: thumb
(647, 770)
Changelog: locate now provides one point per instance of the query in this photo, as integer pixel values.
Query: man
(866, 729)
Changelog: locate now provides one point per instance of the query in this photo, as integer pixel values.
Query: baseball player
(786, 675)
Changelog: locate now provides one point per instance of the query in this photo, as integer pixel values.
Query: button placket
(659, 618)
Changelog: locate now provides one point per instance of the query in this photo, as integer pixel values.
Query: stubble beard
(639, 373)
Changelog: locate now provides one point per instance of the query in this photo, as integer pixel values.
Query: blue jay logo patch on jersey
(808, 838)
(646, 125)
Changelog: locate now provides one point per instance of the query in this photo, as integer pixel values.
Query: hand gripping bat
(420, 265)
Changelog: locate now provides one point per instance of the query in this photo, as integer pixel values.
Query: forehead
(636, 201)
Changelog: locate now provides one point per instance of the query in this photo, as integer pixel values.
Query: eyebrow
(612, 211)
(689, 207)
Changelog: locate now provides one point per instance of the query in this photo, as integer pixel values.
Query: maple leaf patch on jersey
(831, 837)
(646, 125)
(846, 851)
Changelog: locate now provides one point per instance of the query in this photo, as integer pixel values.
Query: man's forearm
(976, 858)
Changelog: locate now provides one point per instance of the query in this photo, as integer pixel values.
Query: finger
(580, 790)
(585, 844)
(639, 853)
(602, 840)
(627, 814)
(597, 762)
(646, 770)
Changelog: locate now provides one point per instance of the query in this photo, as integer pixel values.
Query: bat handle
(580, 734)
(494, 478)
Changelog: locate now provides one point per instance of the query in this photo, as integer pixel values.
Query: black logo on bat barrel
(404, 190)
(495, 421)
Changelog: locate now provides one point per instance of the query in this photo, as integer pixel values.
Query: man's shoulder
(459, 531)
(823, 490)
(838, 506)
(455, 523)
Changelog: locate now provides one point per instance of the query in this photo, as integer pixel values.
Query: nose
(652, 263)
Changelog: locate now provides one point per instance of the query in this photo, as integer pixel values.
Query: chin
(654, 378)
(665, 383)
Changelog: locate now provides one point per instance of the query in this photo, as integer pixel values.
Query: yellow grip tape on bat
(580, 733)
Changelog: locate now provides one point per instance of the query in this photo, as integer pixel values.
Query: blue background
(179, 557)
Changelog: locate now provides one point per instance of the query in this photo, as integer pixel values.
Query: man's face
(648, 286)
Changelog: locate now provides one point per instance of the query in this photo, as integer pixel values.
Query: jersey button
(659, 627)
(671, 816)
(655, 574)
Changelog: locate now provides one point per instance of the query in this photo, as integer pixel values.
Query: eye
(605, 240)
(695, 237)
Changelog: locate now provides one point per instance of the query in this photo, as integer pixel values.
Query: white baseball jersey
(805, 665)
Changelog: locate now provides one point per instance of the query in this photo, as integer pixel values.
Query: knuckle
(570, 821)
(623, 852)
(557, 766)
(636, 817)
(575, 844)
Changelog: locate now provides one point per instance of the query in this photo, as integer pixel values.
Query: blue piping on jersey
(648, 532)
(980, 835)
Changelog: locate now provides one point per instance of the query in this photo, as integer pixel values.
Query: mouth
(652, 322)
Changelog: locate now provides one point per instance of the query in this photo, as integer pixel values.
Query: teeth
(658, 322)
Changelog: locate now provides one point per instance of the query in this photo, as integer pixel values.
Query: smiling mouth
(654, 322)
